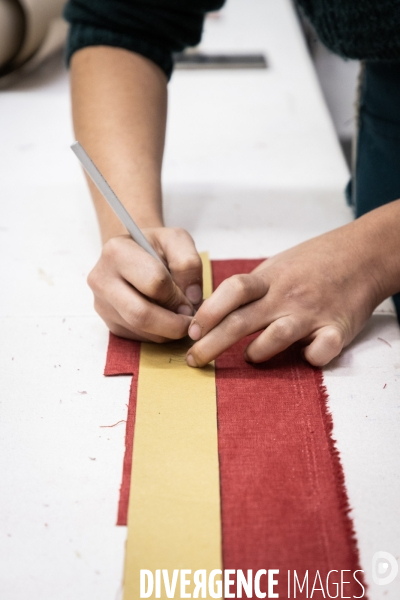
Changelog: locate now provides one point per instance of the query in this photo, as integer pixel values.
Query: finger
(233, 328)
(327, 344)
(123, 332)
(228, 297)
(278, 336)
(121, 328)
(149, 276)
(139, 313)
(184, 263)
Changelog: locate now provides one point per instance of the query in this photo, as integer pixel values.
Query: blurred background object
(199, 60)
(30, 32)
(338, 78)
(339, 81)
(11, 30)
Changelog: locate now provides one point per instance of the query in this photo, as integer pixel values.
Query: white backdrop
(252, 166)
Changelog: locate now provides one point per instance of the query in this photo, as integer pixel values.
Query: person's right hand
(137, 296)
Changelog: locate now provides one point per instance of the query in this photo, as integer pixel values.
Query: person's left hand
(321, 292)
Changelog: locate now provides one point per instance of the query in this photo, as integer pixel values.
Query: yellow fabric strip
(174, 506)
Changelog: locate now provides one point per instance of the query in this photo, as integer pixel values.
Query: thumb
(184, 264)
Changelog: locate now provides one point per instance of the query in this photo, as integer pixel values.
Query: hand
(320, 292)
(137, 296)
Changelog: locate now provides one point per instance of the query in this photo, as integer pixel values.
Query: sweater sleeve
(153, 28)
(366, 30)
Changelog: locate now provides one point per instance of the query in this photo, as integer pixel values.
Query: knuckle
(237, 322)
(239, 284)
(182, 233)
(96, 281)
(111, 249)
(92, 280)
(190, 262)
(156, 286)
(282, 330)
(333, 339)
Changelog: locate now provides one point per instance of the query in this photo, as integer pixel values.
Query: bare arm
(119, 102)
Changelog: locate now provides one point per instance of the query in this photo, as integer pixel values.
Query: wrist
(146, 214)
(115, 228)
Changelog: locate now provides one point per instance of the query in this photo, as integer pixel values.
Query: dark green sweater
(154, 28)
(363, 29)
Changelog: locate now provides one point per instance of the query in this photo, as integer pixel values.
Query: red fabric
(284, 502)
(123, 359)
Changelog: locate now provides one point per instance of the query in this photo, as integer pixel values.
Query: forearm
(377, 237)
(119, 102)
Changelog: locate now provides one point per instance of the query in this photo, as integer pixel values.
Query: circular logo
(384, 568)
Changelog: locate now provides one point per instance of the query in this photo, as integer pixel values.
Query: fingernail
(194, 293)
(184, 309)
(195, 331)
(190, 361)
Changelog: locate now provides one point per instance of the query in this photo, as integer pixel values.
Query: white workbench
(252, 167)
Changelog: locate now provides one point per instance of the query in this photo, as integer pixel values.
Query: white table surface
(252, 167)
